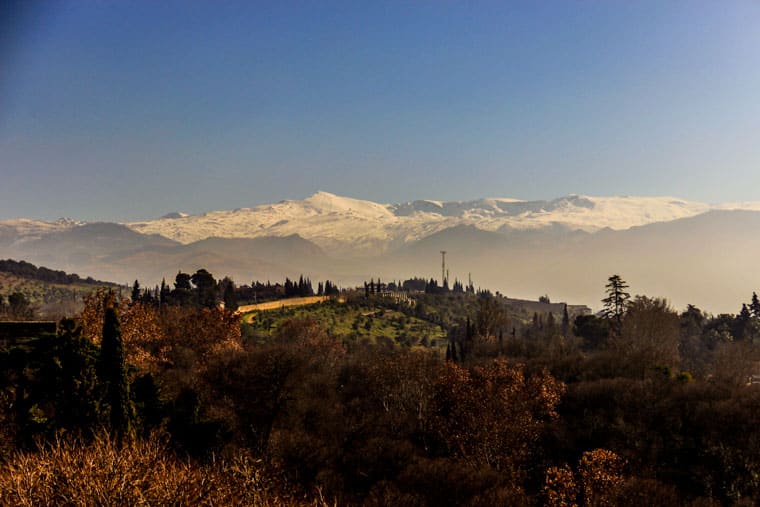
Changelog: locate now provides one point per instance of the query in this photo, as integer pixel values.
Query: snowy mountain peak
(174, 215)
(66, 222)
(349, 226)
(326, 202)
(353, 226)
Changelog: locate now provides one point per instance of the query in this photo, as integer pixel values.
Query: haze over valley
(688, 252)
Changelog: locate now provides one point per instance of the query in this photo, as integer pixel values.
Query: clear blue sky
(128, 110)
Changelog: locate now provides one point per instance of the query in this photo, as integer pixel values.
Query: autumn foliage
(296, 415)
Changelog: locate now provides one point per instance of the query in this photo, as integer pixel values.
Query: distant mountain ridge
(690, 252)
(350, 226)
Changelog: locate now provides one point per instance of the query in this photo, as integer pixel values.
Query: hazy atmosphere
(418, 253)
(125, 111)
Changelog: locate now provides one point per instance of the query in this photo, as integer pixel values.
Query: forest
(175, 400)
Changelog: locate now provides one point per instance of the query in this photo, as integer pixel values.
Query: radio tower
(443, 266)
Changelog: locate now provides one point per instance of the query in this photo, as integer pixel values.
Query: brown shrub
(139, 474)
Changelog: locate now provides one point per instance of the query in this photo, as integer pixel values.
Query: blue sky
(128, 110)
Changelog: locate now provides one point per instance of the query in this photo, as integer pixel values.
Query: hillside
(52, 293)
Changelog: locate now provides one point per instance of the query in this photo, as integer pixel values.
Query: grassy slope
(357, 322)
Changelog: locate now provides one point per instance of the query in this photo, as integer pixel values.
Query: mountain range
(689, 252)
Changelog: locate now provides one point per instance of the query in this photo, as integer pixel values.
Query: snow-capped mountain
(690, 252)
(342, 224)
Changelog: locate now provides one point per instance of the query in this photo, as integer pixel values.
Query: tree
(229, 295)
(616, 301)
(649, 337)
(135, 292)
(565, 322)
(182, 290)
(592, 329)
(182, 281)
(490, 316)
(747, 326)
(205, 286)
(19, 308)
(112, 373)
(493, 415)
(754, 306)
(163, 295)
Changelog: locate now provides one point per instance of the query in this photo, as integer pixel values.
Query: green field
(355, 322)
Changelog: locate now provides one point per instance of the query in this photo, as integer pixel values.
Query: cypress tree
(135, 292)
(112, 373)
(163, 297)
(229, 295)
(565, 322)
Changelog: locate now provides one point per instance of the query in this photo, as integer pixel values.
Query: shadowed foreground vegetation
(141, 472)
(641, 405)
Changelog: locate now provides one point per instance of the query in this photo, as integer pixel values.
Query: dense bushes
(138, 473)
(543, 418)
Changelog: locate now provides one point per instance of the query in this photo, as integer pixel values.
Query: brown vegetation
(139, 473)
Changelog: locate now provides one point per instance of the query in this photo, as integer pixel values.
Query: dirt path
(276, 305)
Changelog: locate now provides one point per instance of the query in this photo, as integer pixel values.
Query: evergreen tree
(289, 289)
(182, 281)
(76, 403)
(182, 290)
(754, 306)
(565, 322)
(163, 295)
(135, 292)
(616, 302)
(308, 287)
(205, 287)
(229, 294)
(744, 326)
(550, 325)
(112, 373)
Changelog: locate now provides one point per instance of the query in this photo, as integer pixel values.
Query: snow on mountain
(175, 214)
(350, 226)
(24, 229)
(347, 227)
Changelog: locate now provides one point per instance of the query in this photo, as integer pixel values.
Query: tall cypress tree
(135, 292)
(565, 322)
(112, 373)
